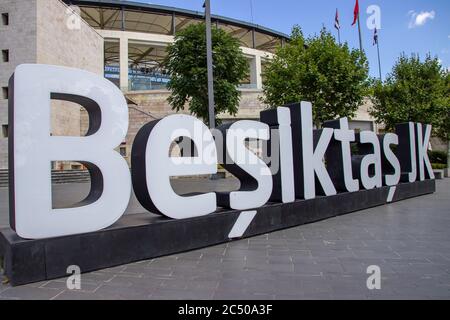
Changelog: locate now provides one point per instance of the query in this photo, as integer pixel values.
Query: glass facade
(112, 59)
(144, 60)
(145, 67)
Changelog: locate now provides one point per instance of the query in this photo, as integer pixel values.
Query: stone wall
(42, 31)
(63, 41)
(155, 102)
(19, 37)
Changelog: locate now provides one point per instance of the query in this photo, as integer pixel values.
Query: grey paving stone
(110, 292)
(173, 294)
(77, 295)
(30, 293)
(319, 296)
(86, 287)
(96, 277)
(239, 295)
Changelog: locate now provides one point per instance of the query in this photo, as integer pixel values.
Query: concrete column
(255, 72)
(124, 64)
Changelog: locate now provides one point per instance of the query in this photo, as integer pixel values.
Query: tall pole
(209, 58)
(360, 35)
(379, 59)
(339, 36)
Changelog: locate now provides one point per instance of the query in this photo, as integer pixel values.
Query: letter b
(32, 150)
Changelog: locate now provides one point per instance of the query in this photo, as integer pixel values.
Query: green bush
(438, 157)
(439, 166)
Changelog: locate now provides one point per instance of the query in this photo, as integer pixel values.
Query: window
(5, 55)
(146, 69)
(77, 167)
(123, 151)
(5, 19)
(111, 58)
(5, 131)
(359, 126)
(5, 93)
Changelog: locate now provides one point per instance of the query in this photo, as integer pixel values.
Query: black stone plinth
(142, 236)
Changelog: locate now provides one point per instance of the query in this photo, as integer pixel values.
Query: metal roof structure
(239, 28)
(145, 60)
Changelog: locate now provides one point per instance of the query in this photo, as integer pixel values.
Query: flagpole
(209, 58)
(360, 35)
(339, 36)
(379, 59)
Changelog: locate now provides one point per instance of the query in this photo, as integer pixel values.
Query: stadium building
(126, 43)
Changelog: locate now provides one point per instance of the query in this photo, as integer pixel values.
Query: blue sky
(418, 26)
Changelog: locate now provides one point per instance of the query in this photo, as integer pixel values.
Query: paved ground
(409, 241)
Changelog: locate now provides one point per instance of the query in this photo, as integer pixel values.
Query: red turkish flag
(356, 13)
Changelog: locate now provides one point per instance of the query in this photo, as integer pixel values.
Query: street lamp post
(209, 58)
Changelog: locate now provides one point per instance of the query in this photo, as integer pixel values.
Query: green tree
(443, 127)
(317, 69)
(417, 91)
(186, 64)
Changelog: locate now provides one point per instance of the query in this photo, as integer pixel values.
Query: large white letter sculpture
(313, 158)
(308, 164)
(394, 178)
(346, 136)
(423, 141)
(153, 166)
(371, 159)
(34, 149)
(253, 173)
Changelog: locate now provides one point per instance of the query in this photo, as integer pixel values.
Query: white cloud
(419, 19)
